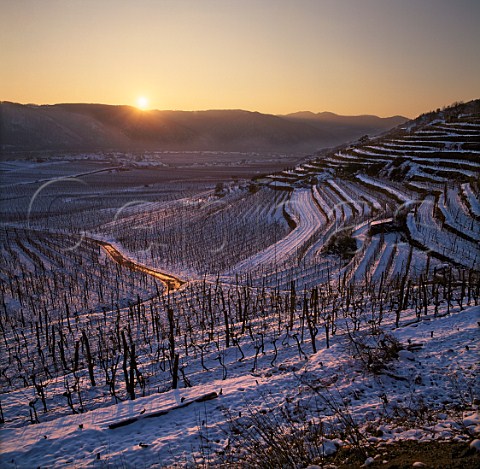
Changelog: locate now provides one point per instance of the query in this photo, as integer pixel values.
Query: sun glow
(142, 103)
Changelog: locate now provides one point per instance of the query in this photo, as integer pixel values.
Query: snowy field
(168, 431)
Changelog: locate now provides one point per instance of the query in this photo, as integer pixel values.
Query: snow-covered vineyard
(328, 309)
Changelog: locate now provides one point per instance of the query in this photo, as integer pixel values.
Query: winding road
(171, 282)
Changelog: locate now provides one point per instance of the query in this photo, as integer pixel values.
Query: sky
(382, 57)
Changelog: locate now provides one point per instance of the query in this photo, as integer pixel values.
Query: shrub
(277, 437)
(374, 351)
(294, 435)
(342, 244)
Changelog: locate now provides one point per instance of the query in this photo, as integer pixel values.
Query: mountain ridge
(81, 126)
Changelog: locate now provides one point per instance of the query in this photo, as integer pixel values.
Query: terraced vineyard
(420, 181)
(270, 279)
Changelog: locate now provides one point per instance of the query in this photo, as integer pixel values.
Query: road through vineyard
(172, 283)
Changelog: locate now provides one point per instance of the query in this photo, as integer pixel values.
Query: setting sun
(142, 102)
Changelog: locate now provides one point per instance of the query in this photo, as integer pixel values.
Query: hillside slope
(436, 148)
(347, 127)
(72, 127)
(420, 181)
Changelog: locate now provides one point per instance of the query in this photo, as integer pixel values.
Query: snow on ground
(361, 193)
(438, 375)
(376, 183)
(425, 229)
(301, 208)
(473, 199)
(345, 196)
(456, 215)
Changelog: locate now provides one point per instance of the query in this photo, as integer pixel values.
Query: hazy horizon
(374, 57)
(325, 111)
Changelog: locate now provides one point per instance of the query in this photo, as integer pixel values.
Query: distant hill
(86, 127)
(344, 127)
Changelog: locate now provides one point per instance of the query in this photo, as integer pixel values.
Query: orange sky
(379, 57)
